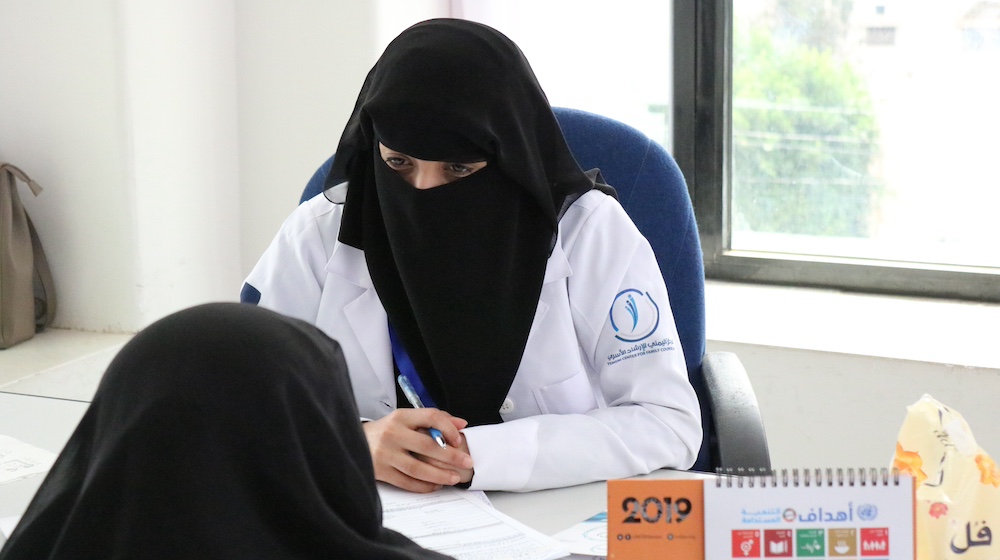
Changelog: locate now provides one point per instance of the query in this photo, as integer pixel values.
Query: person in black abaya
(221, 431)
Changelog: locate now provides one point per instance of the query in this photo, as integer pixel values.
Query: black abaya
(221, 431)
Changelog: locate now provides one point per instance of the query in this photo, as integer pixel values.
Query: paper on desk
(18, 459)
(7, 525)
(462, 524)
(588, 538)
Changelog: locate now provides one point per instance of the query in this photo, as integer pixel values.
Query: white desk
(40, 421)
(551, 511)
(48, 422)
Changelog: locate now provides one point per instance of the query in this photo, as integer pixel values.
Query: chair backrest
(653, 192)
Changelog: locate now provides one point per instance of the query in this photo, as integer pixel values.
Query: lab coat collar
(557, 267)
(349, 263)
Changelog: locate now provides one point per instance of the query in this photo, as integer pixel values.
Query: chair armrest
(739, 429)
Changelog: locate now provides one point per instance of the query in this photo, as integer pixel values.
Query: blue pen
(411, 395)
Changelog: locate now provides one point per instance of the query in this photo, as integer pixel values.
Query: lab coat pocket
(573, 395)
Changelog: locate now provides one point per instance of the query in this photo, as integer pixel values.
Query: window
(839, 143)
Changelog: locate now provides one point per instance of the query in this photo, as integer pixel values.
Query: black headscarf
(222, 431)
(458, 268)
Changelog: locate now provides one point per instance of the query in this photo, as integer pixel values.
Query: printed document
(463, 524)
(18, 459)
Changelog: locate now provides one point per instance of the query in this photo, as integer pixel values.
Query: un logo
(867, 512)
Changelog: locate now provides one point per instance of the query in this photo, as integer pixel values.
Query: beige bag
(27, 295)
(958, 484)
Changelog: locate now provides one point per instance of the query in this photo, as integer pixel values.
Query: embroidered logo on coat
(634, 315)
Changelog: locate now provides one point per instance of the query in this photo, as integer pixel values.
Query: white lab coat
(588, 403)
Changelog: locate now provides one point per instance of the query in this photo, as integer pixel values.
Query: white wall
(301, 65)
(834, 371)
(171, 138)
(178, 64)
(828, 409)
(125, 113)
(612, 58)
(63, 121)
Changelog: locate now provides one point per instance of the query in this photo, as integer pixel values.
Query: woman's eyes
(448, 171)
(459, 169)
(395, 162)
(453, 168)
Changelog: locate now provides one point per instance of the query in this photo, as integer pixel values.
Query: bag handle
(44, 287)
(36, 189)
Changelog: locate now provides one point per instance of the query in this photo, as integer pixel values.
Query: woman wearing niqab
(494, 283)
(459, 267)
(222, 431)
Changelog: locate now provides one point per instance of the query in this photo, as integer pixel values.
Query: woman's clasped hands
(407, 457)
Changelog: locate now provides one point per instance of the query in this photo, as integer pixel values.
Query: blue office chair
(653, 192)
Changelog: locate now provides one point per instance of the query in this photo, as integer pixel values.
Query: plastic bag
(957, 484)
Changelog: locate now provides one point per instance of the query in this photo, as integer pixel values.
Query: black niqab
(458, 268)
(223, 431)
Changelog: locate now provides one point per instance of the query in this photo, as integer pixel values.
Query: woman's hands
(405, 455)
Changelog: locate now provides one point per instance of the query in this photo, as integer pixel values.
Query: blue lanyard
(407, 370)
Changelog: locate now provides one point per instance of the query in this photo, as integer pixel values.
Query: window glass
(866, 129)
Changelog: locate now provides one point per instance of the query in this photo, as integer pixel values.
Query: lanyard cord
(407, 370)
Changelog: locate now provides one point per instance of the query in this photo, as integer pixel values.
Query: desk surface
(48, 422)
(552, 511)
(40, 421)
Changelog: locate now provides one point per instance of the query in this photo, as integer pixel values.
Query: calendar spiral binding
(762, 478)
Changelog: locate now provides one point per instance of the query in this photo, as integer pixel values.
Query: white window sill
(928, 330)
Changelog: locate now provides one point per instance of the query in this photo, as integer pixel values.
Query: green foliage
(804, 138)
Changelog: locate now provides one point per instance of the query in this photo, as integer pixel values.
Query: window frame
(702, 72)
